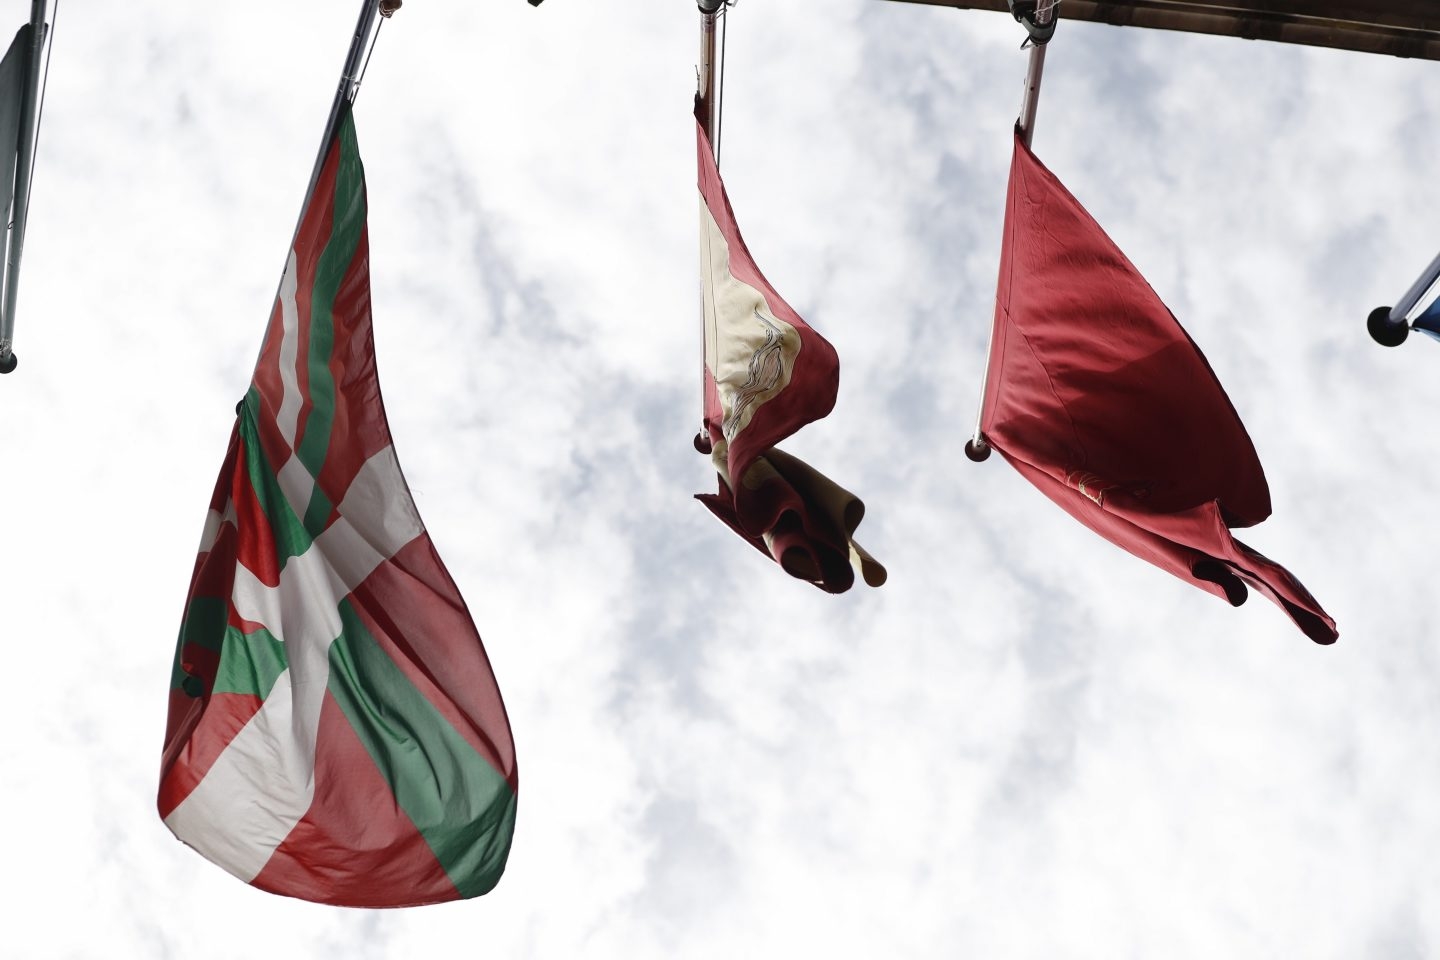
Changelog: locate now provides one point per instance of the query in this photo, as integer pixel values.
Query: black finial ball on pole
(977, 452)
(9, 362)
(1384, 330)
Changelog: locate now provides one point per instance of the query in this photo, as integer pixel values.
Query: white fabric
(264, 781)
(749, 351)
(288, 418)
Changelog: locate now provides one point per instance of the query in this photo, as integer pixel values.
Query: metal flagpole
(24, 166)
(1038, 16)
(709, 102)
(1041, 31)
(1388, 325)
(708, 111)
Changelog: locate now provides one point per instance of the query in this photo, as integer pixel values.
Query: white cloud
(1026, 744)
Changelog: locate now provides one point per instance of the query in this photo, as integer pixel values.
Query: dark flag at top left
(21, 85)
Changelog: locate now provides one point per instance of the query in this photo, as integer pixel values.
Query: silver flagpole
(1412, 296)
(709, 115)
(1389, 326)
(1041, 29)
(24, 166)
(1044, 18)
(707, 110)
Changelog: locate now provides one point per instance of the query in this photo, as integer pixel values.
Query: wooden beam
(1398, 28)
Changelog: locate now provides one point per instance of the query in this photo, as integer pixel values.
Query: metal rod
(1400, 312)
(708, 113)
(1025, 126)
(709, 17)
(976, 448)
(24, 165)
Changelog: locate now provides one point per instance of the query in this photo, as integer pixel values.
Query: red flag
(1102, 401)
(767, 374)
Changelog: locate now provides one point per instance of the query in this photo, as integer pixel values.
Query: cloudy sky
(1026, 744)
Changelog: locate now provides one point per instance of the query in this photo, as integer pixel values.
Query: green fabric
(292, 537)
(249, 663)
(203, 626)
(461, 805)
(346, 228)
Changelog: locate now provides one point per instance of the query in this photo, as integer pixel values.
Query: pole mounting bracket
(1037, 16)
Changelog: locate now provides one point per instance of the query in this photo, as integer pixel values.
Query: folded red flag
(1102, 401)
(767, 374)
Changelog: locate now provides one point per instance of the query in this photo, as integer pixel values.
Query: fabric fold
(1099, 398)
(768, 373)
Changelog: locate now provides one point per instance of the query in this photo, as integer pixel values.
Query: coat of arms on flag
(767, 374)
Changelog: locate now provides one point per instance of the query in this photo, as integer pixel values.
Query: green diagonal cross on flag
(335, 730)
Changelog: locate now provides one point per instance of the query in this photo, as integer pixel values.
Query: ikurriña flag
(1102, 401)
(335, 730)
(767, 374)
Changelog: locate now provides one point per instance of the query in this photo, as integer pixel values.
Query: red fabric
(442, 660)
(199, 660)
(1102, 401)
(354, 854)
(806, 536)
(807, 543)
(217, 720)
(815, 381)
(355, 433)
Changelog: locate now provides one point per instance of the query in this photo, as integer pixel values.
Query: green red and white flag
(335, 730)
(767, 374)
